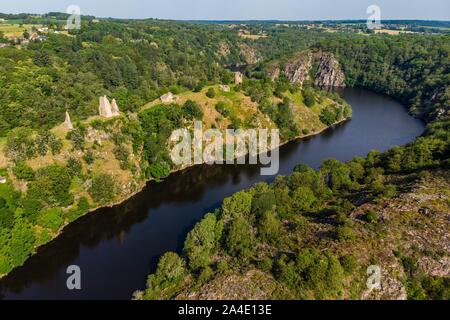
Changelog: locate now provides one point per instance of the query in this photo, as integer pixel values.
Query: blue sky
(239, 9)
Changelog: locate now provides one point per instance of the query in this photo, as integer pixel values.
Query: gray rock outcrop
(297, 70)
(329, 72)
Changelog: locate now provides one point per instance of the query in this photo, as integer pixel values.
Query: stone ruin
(169, 98)
(107, 109)
(68, 122)
(224, 88)
(238, 78)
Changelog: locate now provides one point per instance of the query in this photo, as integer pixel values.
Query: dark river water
(116, 248)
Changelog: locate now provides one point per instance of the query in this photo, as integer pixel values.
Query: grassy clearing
(15, 30)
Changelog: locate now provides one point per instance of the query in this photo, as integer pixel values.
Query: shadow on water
(117, 247)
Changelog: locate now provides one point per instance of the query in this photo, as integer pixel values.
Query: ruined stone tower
(106, 109)
(68, 122)
(238, 78)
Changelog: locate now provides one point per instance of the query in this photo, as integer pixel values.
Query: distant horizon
(240, 10)
(229, 20)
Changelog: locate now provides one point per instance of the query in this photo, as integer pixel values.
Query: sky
(239, 9)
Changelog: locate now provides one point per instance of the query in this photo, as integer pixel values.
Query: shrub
(77, 138)
(269, 227)
(370, 216)
(22, 242)
(309, 98)
(51, 219)
(23, 171)
(74, 166)
(192, 110)
(6, 215)
(89, 157)
(122, 154)
(349, 263)
(51, 186)
(344, 233)
(159, 170)
(265, 264)
(20, 145)
(211, 93)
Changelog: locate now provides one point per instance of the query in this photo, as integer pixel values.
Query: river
(116, 248)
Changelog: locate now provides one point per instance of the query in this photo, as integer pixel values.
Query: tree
(74, 166)
(103, 188)
(263, 202)
(201, 242)
(269, 227)
(308, 97)
(240, 204)
(42, 58)
(302, 199)
(167, 278)
(20, 144)
(239, 239)
(336, 174)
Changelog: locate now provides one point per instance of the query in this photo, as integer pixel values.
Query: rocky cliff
(249, 55)
(322, 68)
(329, 72)
(297, 70)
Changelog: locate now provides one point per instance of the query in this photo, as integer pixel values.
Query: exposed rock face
(329, 72)
(224, 88)
(68, 122)
(438, 103)
(274, 73)
(224, 49)
(297, 70)
(249, 55)
(238, 78)
(168, 98)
